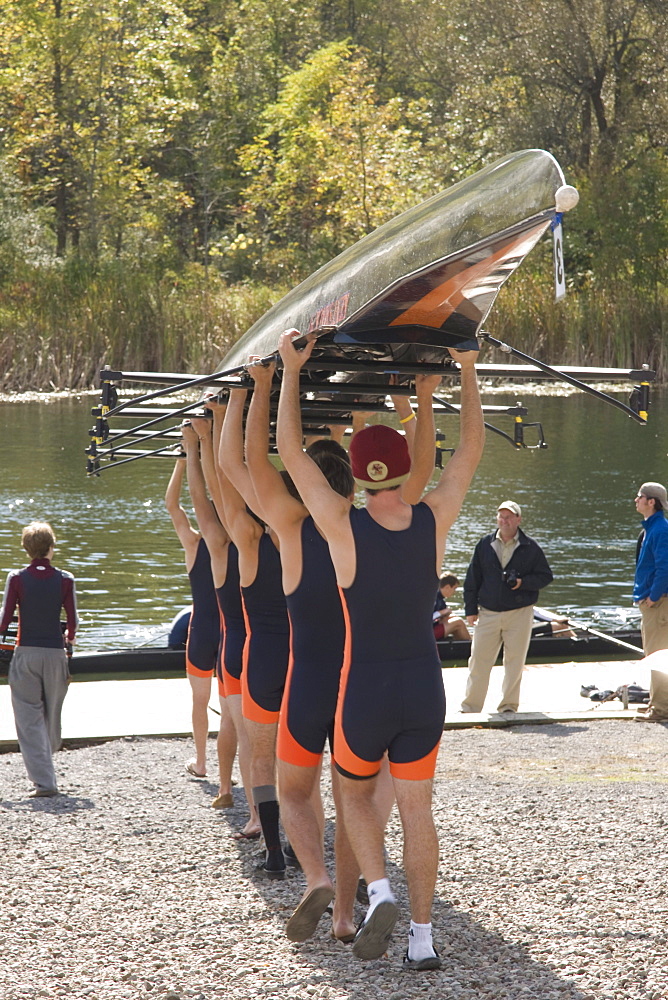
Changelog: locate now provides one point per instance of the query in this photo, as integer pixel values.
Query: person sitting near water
(445, 624)
(178, 628)
(39, 672)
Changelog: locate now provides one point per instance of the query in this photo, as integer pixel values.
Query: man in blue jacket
(502, 583)
(650, 588)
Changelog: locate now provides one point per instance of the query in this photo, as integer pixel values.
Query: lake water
(116, 537)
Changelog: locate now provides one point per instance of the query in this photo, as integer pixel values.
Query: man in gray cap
(650, 588)
(502, 583)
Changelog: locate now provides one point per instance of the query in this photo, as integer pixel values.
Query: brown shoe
(223, 801)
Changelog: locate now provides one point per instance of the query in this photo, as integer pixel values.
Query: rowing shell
(160, 661)
(392, 304)
(427, 279)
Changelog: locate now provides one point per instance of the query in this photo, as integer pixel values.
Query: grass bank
(58, 327)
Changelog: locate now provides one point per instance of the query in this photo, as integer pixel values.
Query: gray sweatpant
(38, 680)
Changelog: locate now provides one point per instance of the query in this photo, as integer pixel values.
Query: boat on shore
(163, 661)
(551, 647)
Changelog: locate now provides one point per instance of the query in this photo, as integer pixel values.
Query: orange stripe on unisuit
(345, 757)
(417, 770)
(249, 708)
(231, 683)
(196, 672)
(287, 748)
(291, 752)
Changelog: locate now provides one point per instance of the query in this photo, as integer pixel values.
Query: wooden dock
(102, 710)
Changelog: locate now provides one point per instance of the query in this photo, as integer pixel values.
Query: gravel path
(552, 882)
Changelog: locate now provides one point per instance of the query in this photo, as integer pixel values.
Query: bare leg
(347, 870)
(457, 628)
(201, 692)
(303, 819)
(234, 705)
(420, 845)
(303, 822)
(383, 796)
(363, 824)
(421, 867)
(227, 748)
(262, 737)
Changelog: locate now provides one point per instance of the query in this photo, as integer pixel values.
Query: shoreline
(546, 387)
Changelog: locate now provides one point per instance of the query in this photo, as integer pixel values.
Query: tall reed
(616, 327)
(59, 326)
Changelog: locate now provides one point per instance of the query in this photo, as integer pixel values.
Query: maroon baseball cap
(379, 457)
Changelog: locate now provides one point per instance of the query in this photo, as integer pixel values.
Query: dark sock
(268, 813)
(275, 862)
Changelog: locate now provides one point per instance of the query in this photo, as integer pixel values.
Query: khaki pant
(658, 683)
(513, 629)
(38, 680)
(654, 626)
(654, 631)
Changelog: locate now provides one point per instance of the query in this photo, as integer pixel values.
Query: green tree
(331, 163)
(91, 92)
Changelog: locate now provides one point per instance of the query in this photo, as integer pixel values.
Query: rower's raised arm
(241, 526)
(230, 498)
(325, 506)
(202, 480)
(231, 454)
(448, 495)
(180, 520)
(407, 419)
(210, 462)
(278, 505)
(423, 449)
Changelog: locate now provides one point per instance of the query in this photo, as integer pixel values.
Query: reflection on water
(113, 531)
(116, 537)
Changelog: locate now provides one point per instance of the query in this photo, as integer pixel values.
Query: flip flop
(343, 938)
(240, 835)
(373, 937)
(223, 801)
(190, 768)
(303, 922)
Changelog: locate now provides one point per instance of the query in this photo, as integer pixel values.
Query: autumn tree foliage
(202, 143)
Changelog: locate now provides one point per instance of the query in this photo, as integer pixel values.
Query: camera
(510, 577)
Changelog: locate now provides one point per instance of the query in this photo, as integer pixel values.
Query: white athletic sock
(420, 944)
(379, 892)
